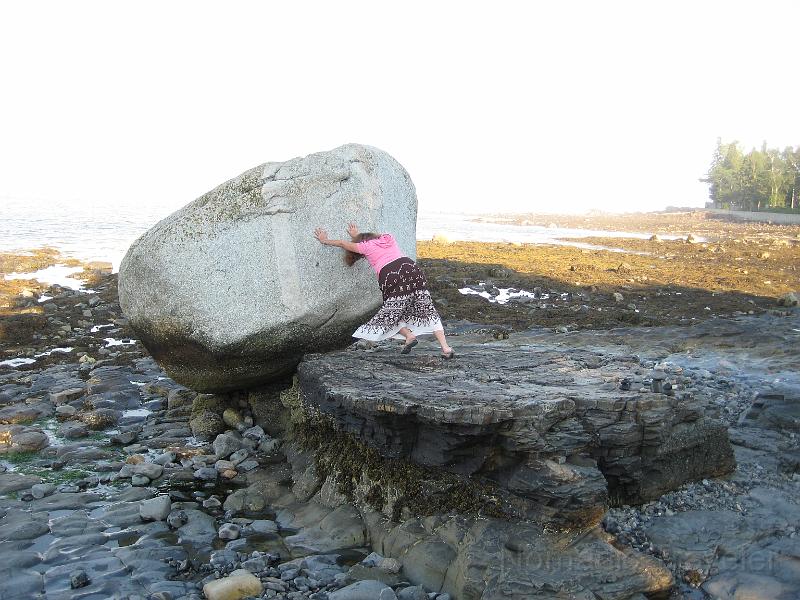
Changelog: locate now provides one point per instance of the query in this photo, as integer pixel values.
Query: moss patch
(211, 402)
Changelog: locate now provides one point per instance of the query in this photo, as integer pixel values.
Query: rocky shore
(692, 268)
(118, 482)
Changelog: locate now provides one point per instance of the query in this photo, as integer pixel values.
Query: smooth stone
(239, 456)
(139, 480)
(212, 503)
(23, 528)
(239, 584)
(254, 433)
(268, 446)
(247, 465)
(65, 410)
(29, 441)
(224, 465)
(200, 531)
(368, 589)
(206, 474)
(40, 490)
(67, 395)
(155, 509)
(177, 518)
(226, 444)
(13, 482)
(150, 470)
(390, 565)
(414, 592)
(229, 531)
(264, 526)
(373, 559)
(124, 438)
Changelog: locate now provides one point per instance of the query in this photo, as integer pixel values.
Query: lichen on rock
(230, 291)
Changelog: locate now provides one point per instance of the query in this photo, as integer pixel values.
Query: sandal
(407, 347)
(449, 355)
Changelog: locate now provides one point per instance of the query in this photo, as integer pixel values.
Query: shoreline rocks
(69, 508)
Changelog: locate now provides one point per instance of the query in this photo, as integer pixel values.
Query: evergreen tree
(761, 179)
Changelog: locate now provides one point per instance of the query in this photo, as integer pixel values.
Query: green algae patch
(20, 458)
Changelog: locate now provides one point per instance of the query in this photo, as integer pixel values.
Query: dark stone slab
(552, 427)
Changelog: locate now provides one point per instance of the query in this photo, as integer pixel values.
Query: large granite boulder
(552, 429)
(231, 290)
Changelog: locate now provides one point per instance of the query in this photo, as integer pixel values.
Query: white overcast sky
(491, 106)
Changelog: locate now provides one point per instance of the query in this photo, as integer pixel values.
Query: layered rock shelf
(555, 432)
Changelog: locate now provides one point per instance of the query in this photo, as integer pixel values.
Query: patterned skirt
(406, 303)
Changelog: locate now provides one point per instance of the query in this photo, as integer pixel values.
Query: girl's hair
(351, 257)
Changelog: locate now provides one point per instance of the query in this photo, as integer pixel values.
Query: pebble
(238, 456)
(78, 579)
(206, 474)
(414, 592)
(139, 480)
(65, 410)
(229, 531)
(212, 502)
(254, 433)
(155, 509)
(226, 444)
(177, 518)
(247, 465)
(368, 589)
(239, 584)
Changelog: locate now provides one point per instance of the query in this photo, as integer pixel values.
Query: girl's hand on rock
(352, 229)
(321, 235)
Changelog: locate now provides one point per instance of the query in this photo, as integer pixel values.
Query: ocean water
(96, 231)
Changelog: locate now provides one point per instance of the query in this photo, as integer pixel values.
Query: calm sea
(105, 231)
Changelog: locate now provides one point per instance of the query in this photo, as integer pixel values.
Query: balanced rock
(231, 290)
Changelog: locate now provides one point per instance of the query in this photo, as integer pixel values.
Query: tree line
(765, 179)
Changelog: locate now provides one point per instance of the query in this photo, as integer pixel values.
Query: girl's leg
(439, 333)
(406, 333)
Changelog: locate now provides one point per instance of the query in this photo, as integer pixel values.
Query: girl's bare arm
(322, 236)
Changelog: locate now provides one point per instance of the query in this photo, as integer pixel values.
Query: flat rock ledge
(552, 430)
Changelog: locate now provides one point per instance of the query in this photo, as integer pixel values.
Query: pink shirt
(380, 251)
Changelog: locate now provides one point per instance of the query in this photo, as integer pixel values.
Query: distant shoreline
(684, 221)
